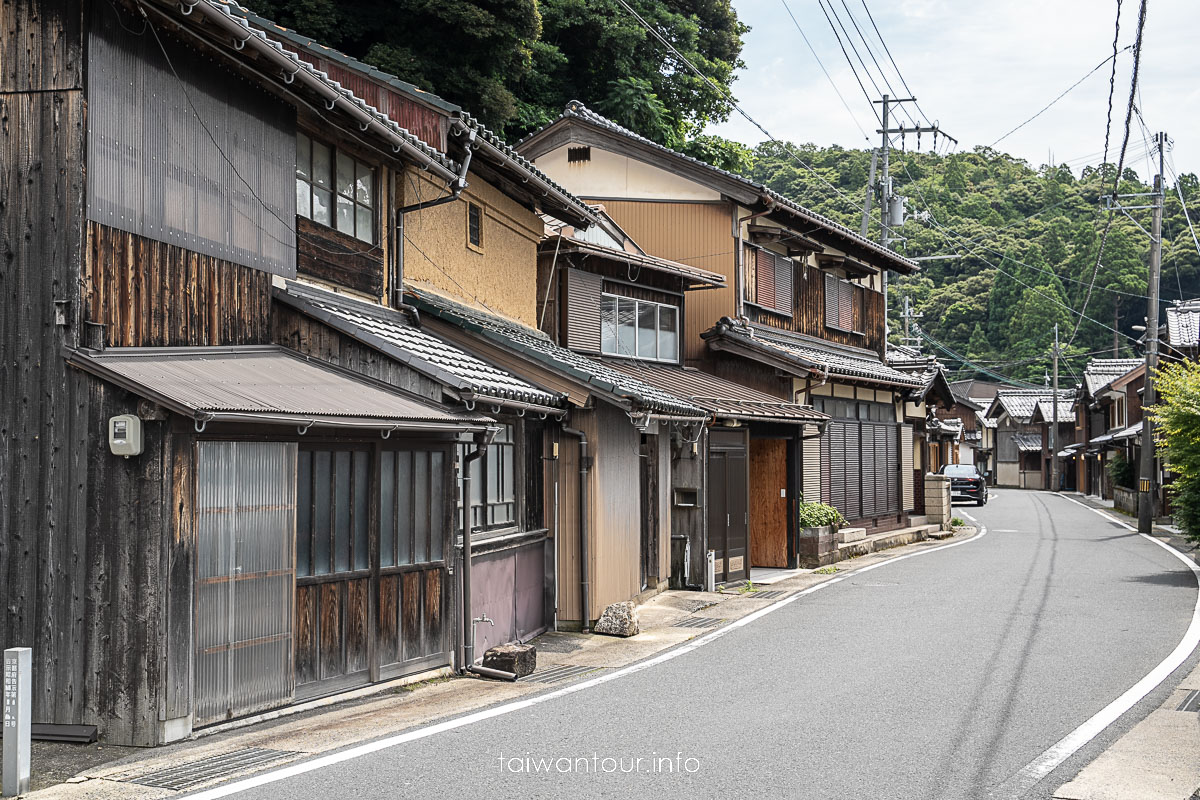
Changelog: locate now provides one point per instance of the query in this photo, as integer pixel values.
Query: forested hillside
(1028, 240)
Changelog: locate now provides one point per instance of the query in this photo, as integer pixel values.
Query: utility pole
(1054, 423)
(888, 218)
(908, 316)
(1148, 473)
(866, 218)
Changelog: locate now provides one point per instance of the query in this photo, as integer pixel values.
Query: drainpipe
(585, 464)
(456, 187)
(482, 440)
(739, 277)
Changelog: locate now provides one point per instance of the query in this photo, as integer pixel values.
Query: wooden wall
(150, 294)
(696, 234)
(331, 255)
(768, 508)
(869, 313)
(688, 472)
(615, 509)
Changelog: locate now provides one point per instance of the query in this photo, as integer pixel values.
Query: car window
(960, 471)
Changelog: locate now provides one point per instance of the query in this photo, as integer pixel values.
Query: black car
(966, 483)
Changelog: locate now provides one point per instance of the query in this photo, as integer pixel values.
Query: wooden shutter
(831, 301)
(870, 469)
(845, 305)
(893, 468)
(907, 468)
(812, 466)
(885, 470)
(583, 310)
(836, 434)
(764, 278)
(853, 470)
(784, 269)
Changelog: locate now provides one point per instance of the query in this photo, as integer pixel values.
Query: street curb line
(479, 716)
(1032, 773)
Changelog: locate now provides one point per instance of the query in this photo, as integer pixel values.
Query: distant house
(1182, 326)
(1064, 441)
(936, 436)
(1019, 439)
(1101, 413)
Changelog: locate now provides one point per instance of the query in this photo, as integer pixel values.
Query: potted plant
(817, 525)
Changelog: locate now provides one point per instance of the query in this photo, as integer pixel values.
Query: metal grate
(697, 622)
(1191, 702)
(770, 594)
(194, 773)
(559, 672)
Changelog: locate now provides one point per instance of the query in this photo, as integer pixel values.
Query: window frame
(477, 208)
(307, 573)
(637, 315)
(335, 196)
(483, 470)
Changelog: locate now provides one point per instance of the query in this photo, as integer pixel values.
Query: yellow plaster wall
(501, 276)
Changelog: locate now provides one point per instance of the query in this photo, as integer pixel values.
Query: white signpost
(18, 682)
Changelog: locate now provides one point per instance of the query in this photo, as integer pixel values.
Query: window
(579, 154)
(474, 225)
(840, 299)
(412, 507)
(493, 482)
(333, 511)
(334, 189)
(638, 328)
(769, 281)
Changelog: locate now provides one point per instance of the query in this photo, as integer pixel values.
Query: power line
(828, 77)
(874, 60)
(833, 28)
(888, 51)
(1060, 97)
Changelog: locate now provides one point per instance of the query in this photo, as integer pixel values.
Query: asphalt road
(939, 676)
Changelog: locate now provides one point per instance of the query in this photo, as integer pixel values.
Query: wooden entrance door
(768, 503)
(728, 515)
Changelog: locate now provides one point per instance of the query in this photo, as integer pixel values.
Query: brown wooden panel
(329, 615)
(434, 642)
(388, 624)
(357, 593)
(768, 510)
(333, 256)
(41, 46)
(410, 616)
(308, 666)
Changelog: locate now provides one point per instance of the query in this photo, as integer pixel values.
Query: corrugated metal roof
(1028, 442)
(564, 244)
(391, 332)
(1100, 372)
(268, 382)
(1183, 324)
(812, 353)
(537, 345)
(725, 399)
(578, 111)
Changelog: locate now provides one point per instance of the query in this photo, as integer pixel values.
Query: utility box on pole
(18, 696)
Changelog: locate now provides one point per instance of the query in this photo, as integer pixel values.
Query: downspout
(585, 464)
(482, 440)
(456, 187)
(739, 277)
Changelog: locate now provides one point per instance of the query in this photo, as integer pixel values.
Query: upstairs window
(474, 226)
(769, 282)
(840, 299)
(334, 189)
(638, 329)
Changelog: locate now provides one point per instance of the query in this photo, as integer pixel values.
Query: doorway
(728, 514)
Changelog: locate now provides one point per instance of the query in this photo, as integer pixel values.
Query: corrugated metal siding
(208, 165)
(245, 575)
(583, 310)
(696, 234)
(908, 501)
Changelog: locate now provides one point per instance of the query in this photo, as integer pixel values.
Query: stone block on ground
(619, 619)
(519, 659)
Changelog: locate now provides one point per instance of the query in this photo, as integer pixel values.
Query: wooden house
(1100, 413)
(1019, 440)
(1064, 443)
(801, 318)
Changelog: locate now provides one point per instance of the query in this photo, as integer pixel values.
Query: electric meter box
(125, 435)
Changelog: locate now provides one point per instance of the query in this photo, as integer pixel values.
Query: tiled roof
(926, 367)
(1021, 403)
(538, 346)
(1028, 442)
(578, 111)
(725, 399)
(810, 353)
(1066, 410)
(563, 244)
(392, 333)
(1100, 372)
(1183, 324)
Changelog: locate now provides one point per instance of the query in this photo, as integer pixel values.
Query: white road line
(1033, 772)
(968, 516)
(517, 705)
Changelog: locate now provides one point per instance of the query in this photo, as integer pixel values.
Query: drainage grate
(195, 773)
(559, 672)
(770, 594)
(697, 622)
(1191, 702)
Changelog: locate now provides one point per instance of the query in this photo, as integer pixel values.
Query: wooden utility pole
(1054, 423)
(1148, 474)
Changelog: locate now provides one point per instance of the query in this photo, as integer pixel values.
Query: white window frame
(658, 331)
(359, 198)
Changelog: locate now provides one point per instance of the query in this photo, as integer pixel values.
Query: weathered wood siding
(330, 255)
(150, 294)
(809, 317)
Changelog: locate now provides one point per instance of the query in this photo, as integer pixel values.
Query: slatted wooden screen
(885, 470)
(840, 302)
(852, 470)
(906, 468)
(892, 474)
(812, 466)
(784, 272)
(869, 469)
(764, 278)
(583, 310)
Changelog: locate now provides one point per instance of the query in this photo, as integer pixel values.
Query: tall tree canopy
(516, 63)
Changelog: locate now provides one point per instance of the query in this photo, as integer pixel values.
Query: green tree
(1177, 416)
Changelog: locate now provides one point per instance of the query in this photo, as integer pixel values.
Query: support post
(1147, 473)
(1054, 423)
(18, 698)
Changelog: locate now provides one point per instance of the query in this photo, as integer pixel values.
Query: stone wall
(937, 500)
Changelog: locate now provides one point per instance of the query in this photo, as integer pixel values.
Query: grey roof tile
(1183, 324)
(1100, 372)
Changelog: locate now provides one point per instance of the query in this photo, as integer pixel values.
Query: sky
(978, 68)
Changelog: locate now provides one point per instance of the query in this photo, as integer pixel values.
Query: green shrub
(1177, 421)
(1122, 472)
(817, 515)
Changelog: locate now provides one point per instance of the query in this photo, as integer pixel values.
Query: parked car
(966, 483)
